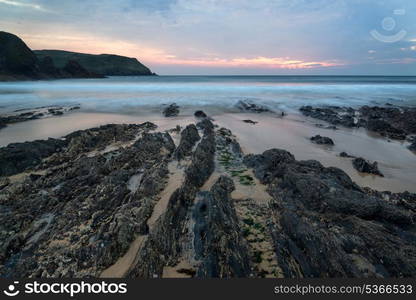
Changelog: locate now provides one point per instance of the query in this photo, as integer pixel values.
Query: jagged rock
(412, 147)
(16, 158)
(189, 137)
(345, 154)
(322, 140)
(391, 122)
(248, 106)
(79, 217)
(200, 114)
(218, 239)
(171, 111)
(326, 226)
(362, 165)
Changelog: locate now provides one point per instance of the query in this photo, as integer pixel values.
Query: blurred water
(132, 94)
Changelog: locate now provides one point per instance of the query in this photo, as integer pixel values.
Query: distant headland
(19, 62)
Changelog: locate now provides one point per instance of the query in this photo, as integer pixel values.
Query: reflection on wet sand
(291, 133)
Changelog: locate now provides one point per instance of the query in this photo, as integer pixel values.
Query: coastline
(144, 201)
(291, 133)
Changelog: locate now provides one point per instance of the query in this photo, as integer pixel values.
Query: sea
(133, 94)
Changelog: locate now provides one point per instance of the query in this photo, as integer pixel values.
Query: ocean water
(135, 94)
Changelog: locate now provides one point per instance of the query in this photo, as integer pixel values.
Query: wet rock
(250, 122)
(362, 165)
(248, 106)
(200, 114)
(16, 158)
(206, 125)
(218, 237)
(322, 140)
(189, 137)
(345, 154)
(324, 225)
(412, 147)
(171, 111)
(391, 122)
(80, 217)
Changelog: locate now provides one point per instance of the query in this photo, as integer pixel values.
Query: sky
(228, 37)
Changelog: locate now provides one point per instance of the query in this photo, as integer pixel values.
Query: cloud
(23, 5)
(264, 34)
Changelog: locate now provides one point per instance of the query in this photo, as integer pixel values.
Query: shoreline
(138, 201)
(290, 133)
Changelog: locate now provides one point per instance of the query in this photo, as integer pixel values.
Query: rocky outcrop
(218, 239)
(189, 137)
(324, 225)
(412, 147)
(362, 165)
(200, 114)
(322, 140)
(121, 196)
(105, 64)
(391, 122)
(23, 115)
(171, 110)
(248, 106)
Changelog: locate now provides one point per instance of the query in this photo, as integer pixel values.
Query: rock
(16, 158)
(324, 225)
(412, 147)
(200, 114)
(322, 140)
(362, 165)
(171, 111)
(248, 106)
(218, 239)
(250, 122)
(189, 137)
(391, 122)
(345, 154)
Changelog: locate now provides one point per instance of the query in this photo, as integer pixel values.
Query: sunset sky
(228, 36)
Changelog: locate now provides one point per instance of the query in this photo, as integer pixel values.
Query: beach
(193, 188)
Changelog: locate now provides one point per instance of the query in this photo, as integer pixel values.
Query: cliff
(106, 64)
(19, 62)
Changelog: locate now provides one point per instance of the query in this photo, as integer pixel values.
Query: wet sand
(291, 133)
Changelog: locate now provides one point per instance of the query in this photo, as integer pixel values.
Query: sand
(291, 133)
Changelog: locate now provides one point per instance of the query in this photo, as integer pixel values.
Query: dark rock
(218, 238)
(189, 137)
(324, 225)
(345, 154)
(200, 114)
(362, 165)
(248, 106)
(171, 111)
(250, 122)
(16, 158)
(322, 140)
(412, 147)
(391, 122)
